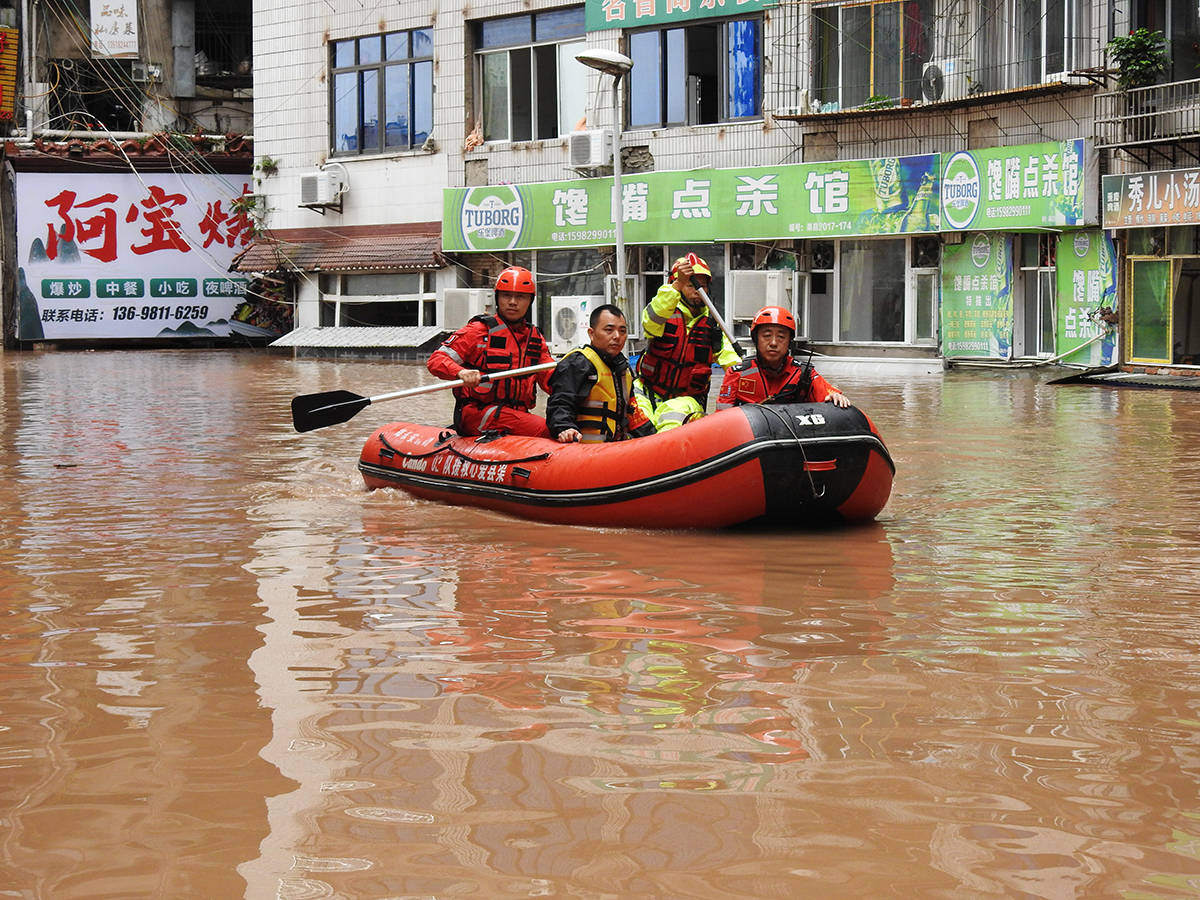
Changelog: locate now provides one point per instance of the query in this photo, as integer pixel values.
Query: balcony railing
(1156, 114)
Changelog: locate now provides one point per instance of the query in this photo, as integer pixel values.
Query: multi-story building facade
(907, 176)
(126, 159)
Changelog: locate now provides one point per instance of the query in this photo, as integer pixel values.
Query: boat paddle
(692, 259)
(312, 411)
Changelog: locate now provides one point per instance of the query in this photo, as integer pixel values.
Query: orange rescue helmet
(699, 266)
(516, 279)
(774, 315)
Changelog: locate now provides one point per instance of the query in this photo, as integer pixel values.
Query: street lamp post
(610, 62)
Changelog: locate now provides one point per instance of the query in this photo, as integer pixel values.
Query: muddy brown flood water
(226, 670)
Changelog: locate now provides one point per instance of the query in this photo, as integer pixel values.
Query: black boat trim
(672, 480)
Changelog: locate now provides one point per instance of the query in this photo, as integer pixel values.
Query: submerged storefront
(950, 254)
(1156, 215)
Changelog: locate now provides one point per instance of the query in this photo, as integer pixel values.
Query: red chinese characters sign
(129, 255)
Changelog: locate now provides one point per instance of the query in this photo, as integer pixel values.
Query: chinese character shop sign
(129, 255)
(1146, 199)
(114, 29)
(896, 195)
(9, 44)
(601, 14)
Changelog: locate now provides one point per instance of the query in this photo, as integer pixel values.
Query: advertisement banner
(601, 14)
(130, 255)
(848, 198)
(1008, 188)
(1087, 283)
(114, 29)
(1152, 198)
(977, 301)
(10, 44)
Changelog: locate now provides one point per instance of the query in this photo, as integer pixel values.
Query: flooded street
(227, 670)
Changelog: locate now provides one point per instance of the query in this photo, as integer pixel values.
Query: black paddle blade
(312, 411)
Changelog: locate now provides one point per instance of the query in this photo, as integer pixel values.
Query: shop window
(1146, 241)
(382, 92)
(871, 295)
(532, 87)
(871, 50)
(378, 299)
(696, 74)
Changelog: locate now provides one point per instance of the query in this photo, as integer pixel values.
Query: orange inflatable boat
(790, 465)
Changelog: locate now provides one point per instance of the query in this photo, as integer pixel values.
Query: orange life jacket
(752, 383)
(680, 362)
(500, 351)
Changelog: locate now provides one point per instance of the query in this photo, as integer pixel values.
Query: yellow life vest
(602, 415)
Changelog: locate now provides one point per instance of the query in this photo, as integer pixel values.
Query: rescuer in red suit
(489, 344)
(772, 375)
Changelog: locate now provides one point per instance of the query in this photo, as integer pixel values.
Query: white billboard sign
(115, 28)
(129, 255)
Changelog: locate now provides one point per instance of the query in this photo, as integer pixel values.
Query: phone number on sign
(158, 313)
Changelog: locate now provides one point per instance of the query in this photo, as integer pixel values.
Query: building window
(382, 91)
(531, 85)
(696, 74)
(872, 50)
(1023, 42)
(378, 300)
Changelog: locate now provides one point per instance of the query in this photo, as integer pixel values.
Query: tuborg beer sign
(998, 189)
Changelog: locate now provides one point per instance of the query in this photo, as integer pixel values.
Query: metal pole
(618, 202)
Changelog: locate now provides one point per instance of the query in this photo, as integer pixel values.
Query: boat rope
(446, 448)
(787, 423)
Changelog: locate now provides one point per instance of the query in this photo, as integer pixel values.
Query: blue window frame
(382, 92)
(696, 74)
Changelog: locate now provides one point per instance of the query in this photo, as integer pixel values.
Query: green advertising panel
(1005, 188)
(603, 14)
(850, 198)
(1086, 282)
(977, 302)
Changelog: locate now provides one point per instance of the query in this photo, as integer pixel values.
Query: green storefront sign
(1006, 188)
(977, 301)
(831, 199)
(1086, 282)
(1032, 186)
(602, 14)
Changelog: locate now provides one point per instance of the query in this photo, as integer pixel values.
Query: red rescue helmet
(774, 315)
(699, 266)
(516, 279)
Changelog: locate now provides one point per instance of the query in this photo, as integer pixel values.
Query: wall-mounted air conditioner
(569, 321)
(589, 149)
(629, 300)
(946, 79)
(320, 189)
(749, 290)
(457, 305)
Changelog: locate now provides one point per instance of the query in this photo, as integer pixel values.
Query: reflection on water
(229, 669)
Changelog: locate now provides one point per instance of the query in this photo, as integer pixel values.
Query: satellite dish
(933, 82)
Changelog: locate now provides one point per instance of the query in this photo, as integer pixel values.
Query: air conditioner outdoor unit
(457, 305)
(750, 290)
(629, 300)
(319, 188)
(569, 321)
(589, 149)
(946, 79)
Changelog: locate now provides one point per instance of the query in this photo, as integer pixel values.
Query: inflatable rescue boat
(791, 465)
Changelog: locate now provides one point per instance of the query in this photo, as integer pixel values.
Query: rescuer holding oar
(488, 344)
(685, 337)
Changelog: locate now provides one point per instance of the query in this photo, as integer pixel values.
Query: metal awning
(332, 251)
